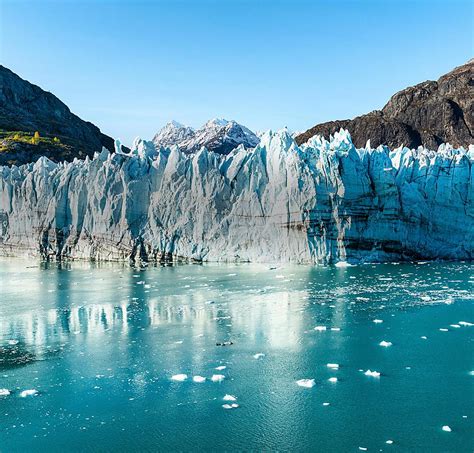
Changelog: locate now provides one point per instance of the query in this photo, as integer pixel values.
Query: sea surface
(98, 345)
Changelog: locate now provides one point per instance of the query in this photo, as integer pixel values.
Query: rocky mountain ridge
(427, 114)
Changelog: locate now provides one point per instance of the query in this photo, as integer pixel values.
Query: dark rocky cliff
(25, 109)
(428, 114)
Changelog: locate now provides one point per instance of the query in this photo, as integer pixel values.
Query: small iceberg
(30, 392)
(465, 323)
(389, 442)
(326, 404)
(446, 428)
(343, 264)
(378, 321)
(217, 377)
(229, 398)
(4, 392)
(220, 367)
(306, 383)
(179, 377)
(333, 366)
(199, 379)
(385, 344)
(424, 337)
(332, 379)
(372, 373)
(13, 342)
(259, 355)
(230, 406)
(442, 329)
(320, 328)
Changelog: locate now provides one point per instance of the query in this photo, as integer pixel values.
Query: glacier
(322, 202)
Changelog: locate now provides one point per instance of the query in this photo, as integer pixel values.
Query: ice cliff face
(322, 202)
(217, 135)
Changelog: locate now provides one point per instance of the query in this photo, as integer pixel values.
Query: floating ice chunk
(372, 373)
(4, 392)
(229, 398)
(334, 366)
(378, 321)
(465, 323)
(446, 428)
(279, 276)
(230, 406)
(179, 377)
(217, 377)
(320, 328)
(199, 379)
(325, 404)
(30, 392)
(426, 298)
(363, 448)
(389, 442)
(455, 326)
(13, 342)
(220, 367)
(385, 344)
(259, 355)
(335, 329)
(307, 383)
(343, 264)
(423, 337)
(332, 379)
(444, 330)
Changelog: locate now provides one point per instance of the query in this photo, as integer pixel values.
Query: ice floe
(217, 377)
(332, 379)
(199, 379)
(446, 428)
(385, 344)
(334, 366)
(229, 398)
(307, 383)
(4, 392)
(465, 323)
(179, 377)
(220, 367)
(259, 355)
(30, 392)
(372, 373)
(378, 321)
(230, 406)
(320, 328)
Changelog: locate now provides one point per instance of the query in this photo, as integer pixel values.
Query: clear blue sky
(130, 66)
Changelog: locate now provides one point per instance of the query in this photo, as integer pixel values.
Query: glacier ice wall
(322, 202)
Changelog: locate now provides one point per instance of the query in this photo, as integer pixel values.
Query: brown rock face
(428, 114)
(27, 108)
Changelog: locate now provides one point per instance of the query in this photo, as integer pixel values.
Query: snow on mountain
(321, 202)
(172, 133)
(217, 135)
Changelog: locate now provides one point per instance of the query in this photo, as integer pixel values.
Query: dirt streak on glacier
(322, 202)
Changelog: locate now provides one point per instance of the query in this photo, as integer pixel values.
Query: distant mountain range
(25, 109)
(218, 135)
(428, 114)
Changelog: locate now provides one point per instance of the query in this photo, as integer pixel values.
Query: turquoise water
(99, 344)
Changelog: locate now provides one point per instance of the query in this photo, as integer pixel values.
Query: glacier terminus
(322, 202)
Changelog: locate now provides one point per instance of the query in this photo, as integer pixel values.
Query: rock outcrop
(426, 114)
(26, 108)
(322, 202)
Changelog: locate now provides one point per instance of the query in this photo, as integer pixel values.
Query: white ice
(179, 377)
(199, 379)
(385, 344)
(4, 392)
(372, 373)
(229, 398)
(307, 383)
(217, 377)
(30, 392)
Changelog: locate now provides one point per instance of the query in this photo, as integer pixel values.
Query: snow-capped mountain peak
(218, 135)
(172, 133)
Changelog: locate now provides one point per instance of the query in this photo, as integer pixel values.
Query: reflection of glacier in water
(107, 339)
